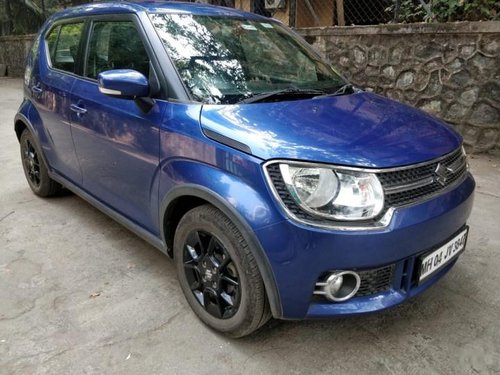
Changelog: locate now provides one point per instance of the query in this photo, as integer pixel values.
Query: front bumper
(300, 254)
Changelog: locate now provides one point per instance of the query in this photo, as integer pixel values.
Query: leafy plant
(407, 11)
(481, 9)
(444, 10)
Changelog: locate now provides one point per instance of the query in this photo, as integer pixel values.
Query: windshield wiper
(342, 90)
(260, 97)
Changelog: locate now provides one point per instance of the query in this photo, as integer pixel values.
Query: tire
(34, 167)
(218, 273)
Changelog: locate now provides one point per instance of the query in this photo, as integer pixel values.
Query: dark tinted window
(66, 50)
(116, 45)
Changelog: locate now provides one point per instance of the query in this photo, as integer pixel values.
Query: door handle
(36, 89)
(79, 110)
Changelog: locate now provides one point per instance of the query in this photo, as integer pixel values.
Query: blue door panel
(118, 149)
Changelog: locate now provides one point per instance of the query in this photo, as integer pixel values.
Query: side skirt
(127, 223)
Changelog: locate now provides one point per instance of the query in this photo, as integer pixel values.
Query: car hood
(362, 129)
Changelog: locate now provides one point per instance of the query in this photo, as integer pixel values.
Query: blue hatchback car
(227, 142)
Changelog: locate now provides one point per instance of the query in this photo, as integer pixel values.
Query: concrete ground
(80, 294)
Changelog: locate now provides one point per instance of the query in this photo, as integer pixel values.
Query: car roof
(151, 6)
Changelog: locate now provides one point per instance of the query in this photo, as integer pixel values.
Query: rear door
(117, 143)
(50, 90)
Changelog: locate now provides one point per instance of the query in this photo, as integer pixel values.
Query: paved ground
(80, 294)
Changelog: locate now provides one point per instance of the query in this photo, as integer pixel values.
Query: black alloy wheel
(211, 274)
(31, 163)
(218, 273)
(35, 169)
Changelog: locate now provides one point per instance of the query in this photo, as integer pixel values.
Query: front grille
(375, 280)
(405, 182)
(402, 186)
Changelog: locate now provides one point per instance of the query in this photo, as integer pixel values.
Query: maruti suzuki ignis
(227, 142)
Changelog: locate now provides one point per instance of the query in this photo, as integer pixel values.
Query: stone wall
(451, 70)
(13, 52)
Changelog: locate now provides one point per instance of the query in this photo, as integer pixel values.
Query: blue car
(224, 140)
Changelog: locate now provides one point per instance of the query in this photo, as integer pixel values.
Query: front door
(116, 142)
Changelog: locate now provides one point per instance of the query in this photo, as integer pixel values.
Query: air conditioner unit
(275, 4)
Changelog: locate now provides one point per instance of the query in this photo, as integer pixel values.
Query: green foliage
(26, 16)
(462, 10)
(409, 11)
(17, 18)
(446, 10)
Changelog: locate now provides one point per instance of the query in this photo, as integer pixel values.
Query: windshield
(225, 60)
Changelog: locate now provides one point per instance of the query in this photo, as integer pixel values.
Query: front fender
(242, 189)
(246, 204)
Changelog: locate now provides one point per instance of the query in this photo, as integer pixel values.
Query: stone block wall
(450, 70)
(13, 52)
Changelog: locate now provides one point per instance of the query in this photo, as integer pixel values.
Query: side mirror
(123, 83)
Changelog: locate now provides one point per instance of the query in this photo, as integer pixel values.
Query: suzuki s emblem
(440, 174)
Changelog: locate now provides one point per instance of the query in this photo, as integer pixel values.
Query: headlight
(334, 194)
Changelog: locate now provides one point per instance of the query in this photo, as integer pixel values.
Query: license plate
(439, 258)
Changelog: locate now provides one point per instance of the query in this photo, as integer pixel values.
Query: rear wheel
(218, 273)
(34, 167)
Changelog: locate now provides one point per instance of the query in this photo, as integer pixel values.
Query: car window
(66, 49)
(224, 60)
(51, 42)
(116, 45)
(275, 55)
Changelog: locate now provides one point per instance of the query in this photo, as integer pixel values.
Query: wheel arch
(21, 123)
(183, 198)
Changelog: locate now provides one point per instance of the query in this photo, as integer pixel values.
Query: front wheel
(218, 273)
